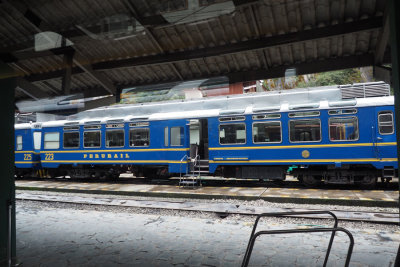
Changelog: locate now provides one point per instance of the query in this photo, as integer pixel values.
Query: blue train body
(346, 143)
(27, 149)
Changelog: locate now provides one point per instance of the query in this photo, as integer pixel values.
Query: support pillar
(7, 185)
(395, 53)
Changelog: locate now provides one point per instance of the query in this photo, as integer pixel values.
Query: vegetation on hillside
(346, 76)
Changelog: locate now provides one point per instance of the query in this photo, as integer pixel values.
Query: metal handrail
(180, 167)
(196, 159)
(289, 231)
(278, 214)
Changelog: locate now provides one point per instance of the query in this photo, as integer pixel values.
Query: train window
(139, 137)
(91, 127)
(73, 128)
(266, 116)
(237, 118)
(342, 111)
(91, 139)
(71, 140)
(19, 142)
(304, 114)
(139, 124)
(177, 136)
(385, 122)
(37, 139)
(115, 125)
(115, 138)
(232, 133)
(343, 129)
(305, 130)
(51, 140)
(267, 132)
(166, 136)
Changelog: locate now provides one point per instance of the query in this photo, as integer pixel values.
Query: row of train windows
(304, 130)
(138, 137)
(307, 130)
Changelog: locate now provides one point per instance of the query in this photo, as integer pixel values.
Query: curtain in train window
(37, 139)
(232, 133)
(115, 138)
(305, 130)
(71, 140)
(139, 137)
(385, 122)
(177, 136)
(19, 142)
(267, 132)
(91, 139)
(343, 129)
(51, 140)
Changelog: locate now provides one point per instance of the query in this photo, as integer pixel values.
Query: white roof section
(199, 113)
(317, 98)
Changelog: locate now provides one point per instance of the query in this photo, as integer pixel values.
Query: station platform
(387, 198)
(64, 235)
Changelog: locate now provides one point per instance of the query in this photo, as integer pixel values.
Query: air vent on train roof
(231, 112)
(139, 118)
(266, 109)
(344, 103)
(115, 121)
(72, 123)
(92, 122)
(304, 106)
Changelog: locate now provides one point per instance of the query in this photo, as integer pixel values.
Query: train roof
(132, 111)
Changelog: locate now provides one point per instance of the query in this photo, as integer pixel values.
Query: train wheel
(309, 180)
(368, 182)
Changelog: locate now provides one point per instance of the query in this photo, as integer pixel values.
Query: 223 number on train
(27, 156)
(49, 156)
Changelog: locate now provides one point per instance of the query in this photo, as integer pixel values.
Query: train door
(198, 131)
(384, 133)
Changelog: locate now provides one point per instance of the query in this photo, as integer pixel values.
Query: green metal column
(7, 186)
(395, 53)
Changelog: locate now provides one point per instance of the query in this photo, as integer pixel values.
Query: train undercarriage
(364, 175)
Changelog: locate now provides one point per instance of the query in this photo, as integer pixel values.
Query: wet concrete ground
(62, 236)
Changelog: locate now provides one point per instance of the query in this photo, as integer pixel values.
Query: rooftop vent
(362, 90)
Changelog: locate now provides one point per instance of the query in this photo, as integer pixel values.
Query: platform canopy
(97, 48)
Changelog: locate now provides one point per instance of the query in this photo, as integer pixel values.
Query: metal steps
(197, 168)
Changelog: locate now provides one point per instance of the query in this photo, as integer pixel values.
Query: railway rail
(218, 181)
(221, 209)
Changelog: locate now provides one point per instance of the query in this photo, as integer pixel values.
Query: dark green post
(7, 185)
(394, 45)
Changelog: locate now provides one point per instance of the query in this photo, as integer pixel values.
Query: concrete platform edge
(344, 202)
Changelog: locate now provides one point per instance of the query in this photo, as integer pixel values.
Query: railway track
(215, 181)
(221, 209)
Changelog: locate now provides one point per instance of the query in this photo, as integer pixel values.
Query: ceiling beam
(277, 72)
(30, 89)
(383, 38)
(258, 44)
(27, 55)
(39, 27)
(99, 77)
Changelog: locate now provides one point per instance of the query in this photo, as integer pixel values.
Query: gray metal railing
(334, 229)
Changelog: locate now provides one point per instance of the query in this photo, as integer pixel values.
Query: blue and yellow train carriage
(106, 147)
(27, 149)
(342, 142)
